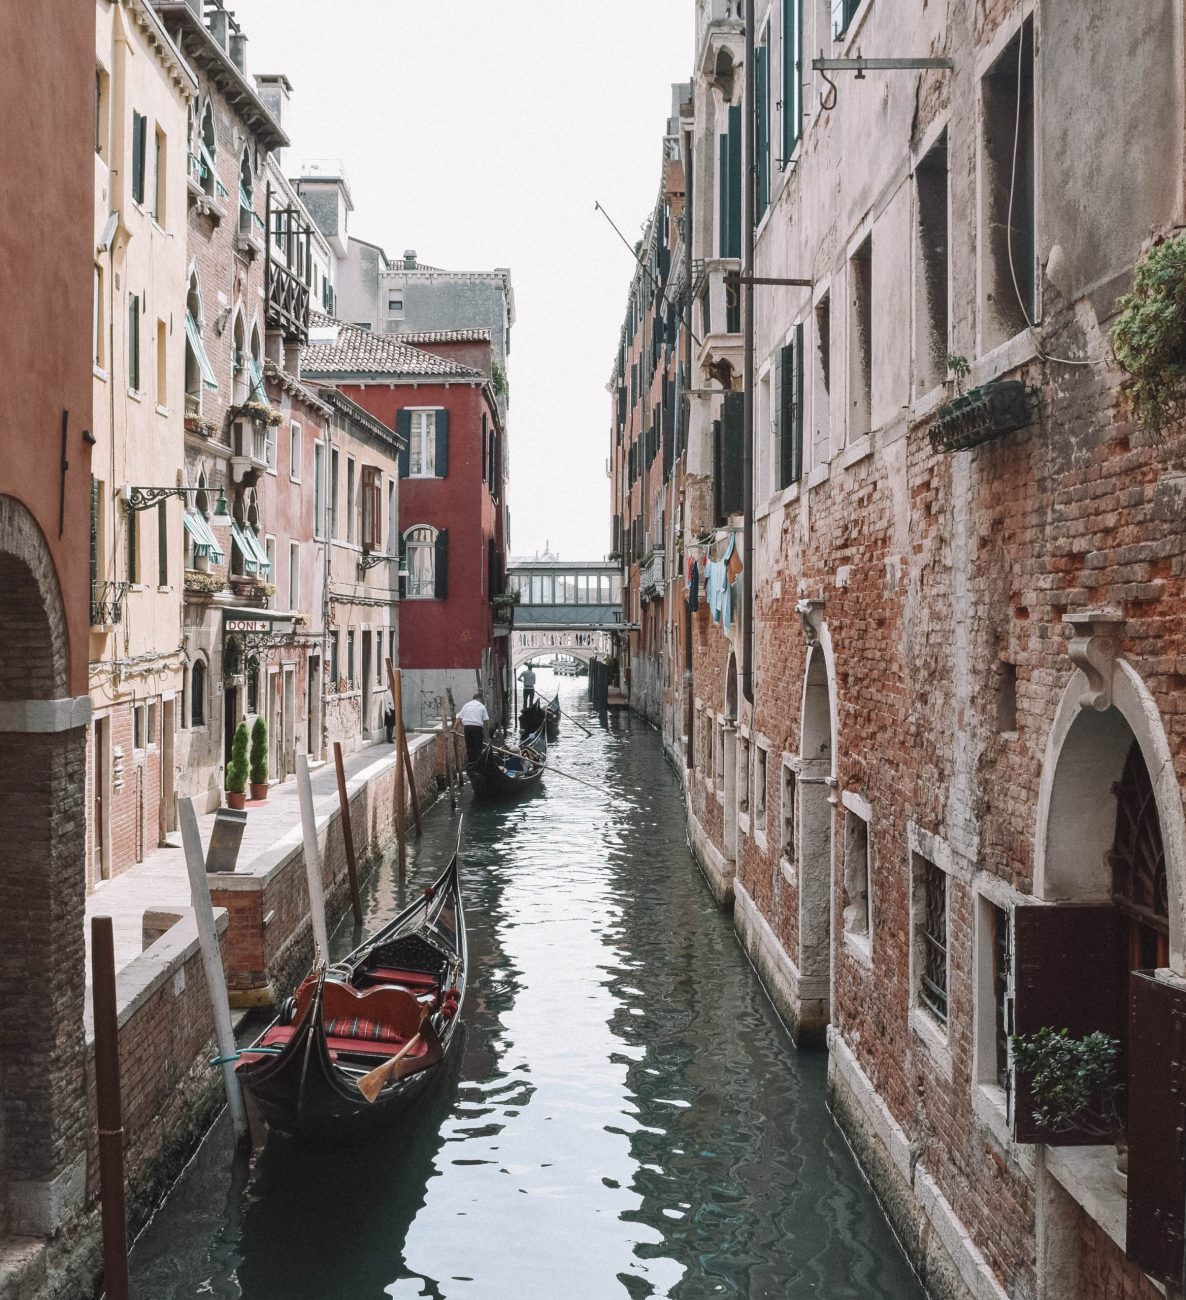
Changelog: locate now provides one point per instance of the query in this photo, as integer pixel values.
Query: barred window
(931, 914)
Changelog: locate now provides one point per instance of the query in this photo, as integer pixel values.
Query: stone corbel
(811, 613)
(1093, 645)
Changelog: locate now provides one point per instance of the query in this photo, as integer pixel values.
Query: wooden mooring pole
(348, 834)
(109, 1110)
(401, 826)
(312, 858)
(447, 738)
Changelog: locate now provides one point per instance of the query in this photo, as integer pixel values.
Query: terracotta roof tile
(335, 348)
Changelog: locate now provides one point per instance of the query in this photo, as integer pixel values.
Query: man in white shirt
(527, 677)
(473, 717)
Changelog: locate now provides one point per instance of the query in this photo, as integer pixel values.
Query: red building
(451, 500)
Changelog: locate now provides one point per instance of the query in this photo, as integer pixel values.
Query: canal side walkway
(161, 884)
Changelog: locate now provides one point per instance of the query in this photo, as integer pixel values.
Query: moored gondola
(498, 771)
(552, 718)
(366, 1038)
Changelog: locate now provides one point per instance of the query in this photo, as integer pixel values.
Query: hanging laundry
(693, 586)
(716, 585)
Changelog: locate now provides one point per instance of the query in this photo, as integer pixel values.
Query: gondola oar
(572, 719)
(370, 1085)
(578, 779)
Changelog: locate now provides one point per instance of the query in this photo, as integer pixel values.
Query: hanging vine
(1149, 337)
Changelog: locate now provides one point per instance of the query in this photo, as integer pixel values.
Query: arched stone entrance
(42, 887)
(816, 807)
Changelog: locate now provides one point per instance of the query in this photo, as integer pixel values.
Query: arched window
(197, 694)
(246, 193)
(420, 547)
(241, 387)
(1140, 887)
(207, 149)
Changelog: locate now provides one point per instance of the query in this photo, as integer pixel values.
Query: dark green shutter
(440, 575)
(797, 405)
(734, 248)
(134, 342)
(403, 426)
(718, 516)
(133, 520)
(762, 129)
(723, 180)
(138, 137)
(732, 487)
(792, 76)
(162, 545)
(442, 448)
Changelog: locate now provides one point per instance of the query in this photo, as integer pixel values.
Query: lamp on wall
(144, 498)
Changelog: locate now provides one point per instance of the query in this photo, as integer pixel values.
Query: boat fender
(288, 1009)
(429, 892)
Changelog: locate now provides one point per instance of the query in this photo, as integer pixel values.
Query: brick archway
(42, 886)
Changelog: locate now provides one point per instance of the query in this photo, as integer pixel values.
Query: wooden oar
(579, 780)
(572, 719)
(370, 1085)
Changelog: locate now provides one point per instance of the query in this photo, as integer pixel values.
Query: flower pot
(236, 799)
(259, 790)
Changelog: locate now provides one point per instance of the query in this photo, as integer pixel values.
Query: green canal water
(627, 1118)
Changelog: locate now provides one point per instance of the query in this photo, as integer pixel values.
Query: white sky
(480, 133)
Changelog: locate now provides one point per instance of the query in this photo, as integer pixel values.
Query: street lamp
(144, 498)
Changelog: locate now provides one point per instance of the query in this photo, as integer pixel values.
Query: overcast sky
(480, 133)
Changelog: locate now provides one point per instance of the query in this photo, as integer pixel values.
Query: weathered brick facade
(956, 653)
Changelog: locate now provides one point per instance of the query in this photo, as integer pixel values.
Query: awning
(195, 341)
(257, 380)
(204, 540)
(255, 558)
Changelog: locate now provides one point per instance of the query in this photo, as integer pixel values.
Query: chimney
(275, 90)
(239, 51)
(409, 259)
(220, 26)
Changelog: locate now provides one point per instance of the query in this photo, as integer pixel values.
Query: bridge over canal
(566, 608)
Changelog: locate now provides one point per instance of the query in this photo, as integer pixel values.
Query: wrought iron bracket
(144, 498)
(370, 559)
(860, 65)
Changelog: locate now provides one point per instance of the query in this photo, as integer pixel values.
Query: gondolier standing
(527, 677)
(473, 718)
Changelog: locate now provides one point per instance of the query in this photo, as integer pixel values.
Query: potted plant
(236, 769)
(1073, 1082)
(258, 774)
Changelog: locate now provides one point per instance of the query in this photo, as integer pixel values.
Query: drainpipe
(682, 426)
(747, 315)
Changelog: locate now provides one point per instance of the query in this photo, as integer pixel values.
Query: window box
(981, 415)
(205, 584)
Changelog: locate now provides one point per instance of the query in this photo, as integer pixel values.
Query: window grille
(933, 976)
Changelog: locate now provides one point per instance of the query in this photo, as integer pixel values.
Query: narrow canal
(628, 1117)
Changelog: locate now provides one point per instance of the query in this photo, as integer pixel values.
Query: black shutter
(138, 149)
(732, 488)
(1156, 1123)
(797, 405)
(442, 448)
(485, 458)
(734, 249)
(403, 426)
(1066, 961)
(718, 517)
(440, 588)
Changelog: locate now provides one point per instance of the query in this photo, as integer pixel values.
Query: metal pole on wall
(199, 892)
(401, 829)
(312, 857)
(348, 834)
(109, 1110)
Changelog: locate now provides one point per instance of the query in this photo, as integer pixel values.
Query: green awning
(195, 341)
(257, 380)
(255, 558)
(204, 540)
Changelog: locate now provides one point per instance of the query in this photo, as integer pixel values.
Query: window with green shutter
(139, 147)
(843, 12)
(788, 405)
(134, 341)
(762, 129)
(792, 77)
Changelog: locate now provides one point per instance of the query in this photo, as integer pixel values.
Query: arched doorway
(816, 783)
(43, 791)
(730, 759)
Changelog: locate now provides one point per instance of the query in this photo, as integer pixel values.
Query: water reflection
(627, 1117)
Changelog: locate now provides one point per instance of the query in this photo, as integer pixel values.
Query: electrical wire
(1029, 324)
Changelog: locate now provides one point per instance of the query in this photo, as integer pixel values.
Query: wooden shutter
(371, 493)
(734, 249)
(94, 545)
(162, 544)
(440, 573)
(138, 139)
(723, 196)
(762, 131)
(403, 426)
(1066, 964)
(797, 406)
(780, 422)
(732, 488)
(442, 447)
(1156, 1125)
(718, 517)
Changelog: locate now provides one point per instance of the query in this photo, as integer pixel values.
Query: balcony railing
(650, 575)
(288, 303)
(107, 603)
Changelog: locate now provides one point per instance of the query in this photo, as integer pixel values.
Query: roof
(338, 349)
(443, 336)
(363, 418)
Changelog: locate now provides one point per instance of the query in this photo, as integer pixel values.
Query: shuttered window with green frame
(792, 77)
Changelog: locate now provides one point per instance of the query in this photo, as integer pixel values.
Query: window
(294, 575)
(133, 546)
(860, 341)
(760, 789)
(97, 341)
(994, 1016)
(270, 552)
(333, 492)
(1007, 214)
(162, 535)
(792, 77)
(371, 534)
(159, 193)
(392, 517)
(378, 658)
(821, 404)
(251, 682)
(197, 694)
(843, 12)
(150, 723)
(246, 194)
(787, 848)
(422, 450)
(788, 411)
(134, 342)
(162, 365)
(420, 560)
(350, 658)
(334, 674)
(930, 274)
(294, 452)
(139, 153)
(395, 306)
(729, 188)
(319, 489)
(207, 148)
(350, 525)
(743, 776)
(139, 726)
(930, 936)
(856, 874)
(1006, 698)
(101, 84)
